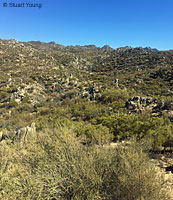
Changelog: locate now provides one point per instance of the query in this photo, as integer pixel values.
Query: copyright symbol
(4, 4)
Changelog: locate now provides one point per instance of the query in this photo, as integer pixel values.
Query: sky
(118, 23)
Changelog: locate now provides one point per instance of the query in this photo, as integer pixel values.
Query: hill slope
(38, 80)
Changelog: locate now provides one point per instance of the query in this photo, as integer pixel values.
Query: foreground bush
(55, 165)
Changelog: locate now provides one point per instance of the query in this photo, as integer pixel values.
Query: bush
(116, 98)
(12, 103)
(89, 133)
(87, 110)
(54, 165)
(124, 126)
(129, 175)
(4, 95)
(159, 132)
(121, 125)
(112, 95)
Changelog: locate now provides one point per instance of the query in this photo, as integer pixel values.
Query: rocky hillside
(37, 79)
(50, 67)
(67, 112)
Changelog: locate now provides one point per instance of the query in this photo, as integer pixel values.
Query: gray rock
(25, 133)
(1, 135)
(139, 104)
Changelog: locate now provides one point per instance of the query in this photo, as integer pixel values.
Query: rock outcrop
(139, 104)
(24, 134)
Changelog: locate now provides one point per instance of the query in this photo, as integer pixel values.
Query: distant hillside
(35, 72)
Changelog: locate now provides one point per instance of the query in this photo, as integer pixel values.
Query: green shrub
(159, 132)
(112, 95)
(87, 110)
(89, 133)
(120, 125)
(123, 126)
(26, 99)
(12, 103)
(3, 95)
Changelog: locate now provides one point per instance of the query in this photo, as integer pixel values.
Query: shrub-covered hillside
(62, 106)
(103, 92)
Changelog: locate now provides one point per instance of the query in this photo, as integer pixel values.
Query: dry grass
(54, 165)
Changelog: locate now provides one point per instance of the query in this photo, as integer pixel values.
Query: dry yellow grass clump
(55, 165)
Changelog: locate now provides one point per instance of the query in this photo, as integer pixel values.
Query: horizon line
(83, 45)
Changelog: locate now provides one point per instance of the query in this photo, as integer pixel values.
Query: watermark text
(21, 5)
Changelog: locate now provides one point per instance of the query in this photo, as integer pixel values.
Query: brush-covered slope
(48, 81)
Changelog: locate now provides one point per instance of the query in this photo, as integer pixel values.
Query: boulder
(25, 133)
(138, 104)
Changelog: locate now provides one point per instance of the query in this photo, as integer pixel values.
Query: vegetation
(81, 98)
(55, 165)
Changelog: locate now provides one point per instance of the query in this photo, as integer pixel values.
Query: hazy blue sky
(80, 22)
